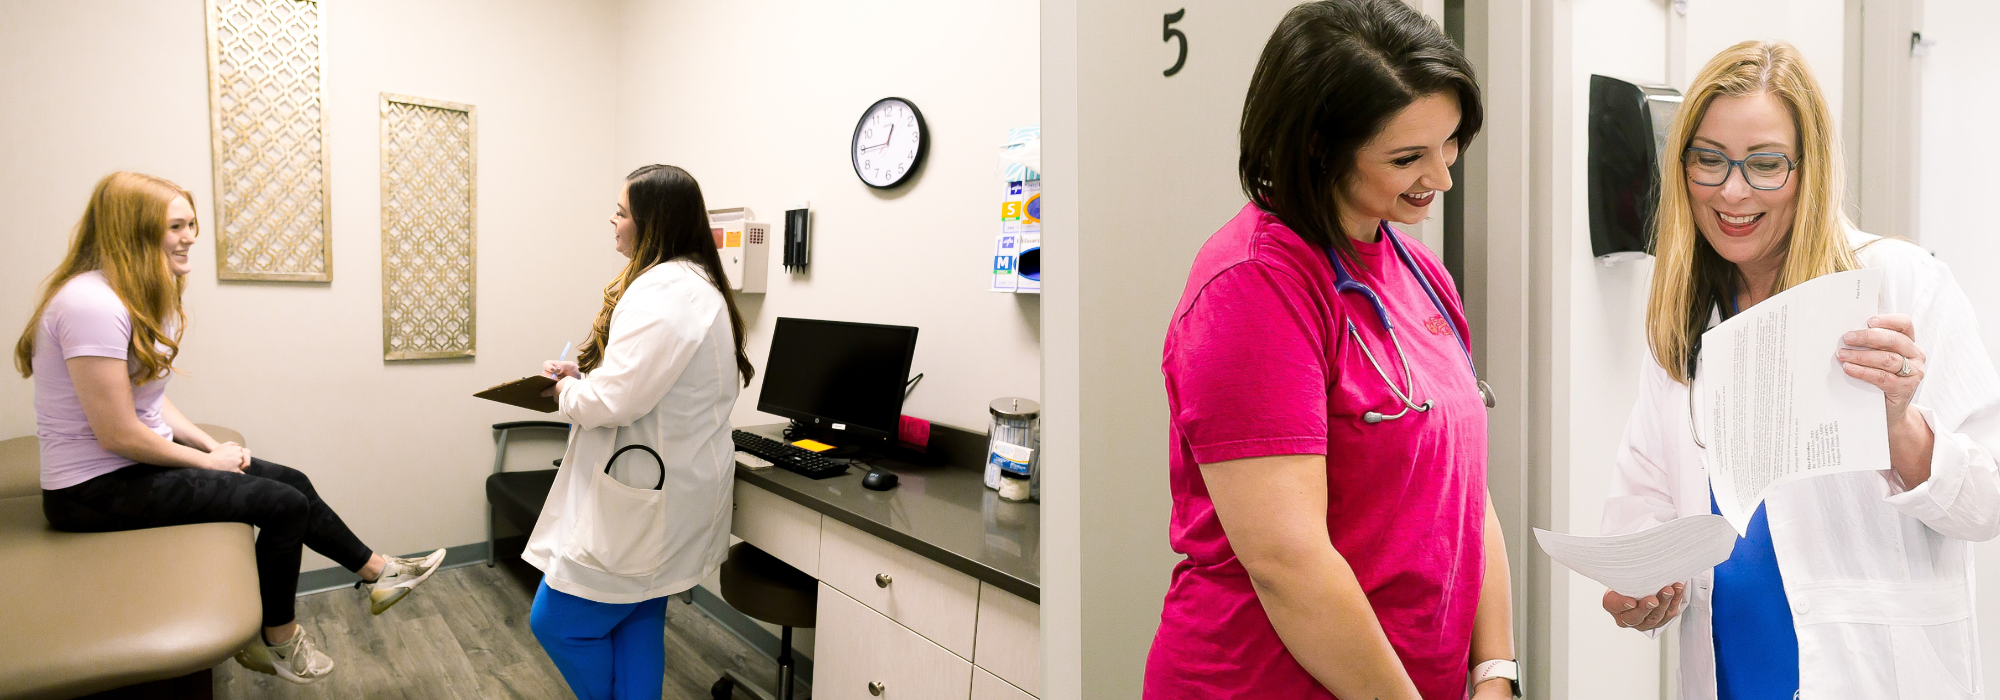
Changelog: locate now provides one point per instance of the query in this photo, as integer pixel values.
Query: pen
(564, 353)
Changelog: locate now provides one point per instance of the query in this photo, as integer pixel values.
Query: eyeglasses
(1762, 171)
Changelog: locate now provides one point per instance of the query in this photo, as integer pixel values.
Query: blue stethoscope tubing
(1344, 283)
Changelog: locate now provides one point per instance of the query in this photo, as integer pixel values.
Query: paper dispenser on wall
(745, 247)
(1628, 135)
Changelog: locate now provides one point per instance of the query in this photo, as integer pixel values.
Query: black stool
(762, 587)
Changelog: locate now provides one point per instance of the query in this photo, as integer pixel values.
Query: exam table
(91, 612)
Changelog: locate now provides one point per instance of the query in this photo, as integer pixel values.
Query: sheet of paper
(1642, 563)
(1772, 403)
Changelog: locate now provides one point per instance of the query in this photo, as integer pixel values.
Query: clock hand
(885, 142)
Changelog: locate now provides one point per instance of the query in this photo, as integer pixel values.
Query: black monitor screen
(836, 372)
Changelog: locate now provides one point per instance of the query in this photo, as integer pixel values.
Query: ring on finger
(1906, 370)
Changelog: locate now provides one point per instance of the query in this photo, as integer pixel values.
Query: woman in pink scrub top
(1328, 474)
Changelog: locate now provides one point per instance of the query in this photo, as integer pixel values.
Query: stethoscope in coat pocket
(608, 464)
(1344, 283)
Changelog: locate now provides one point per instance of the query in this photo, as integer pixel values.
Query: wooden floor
(464, 634)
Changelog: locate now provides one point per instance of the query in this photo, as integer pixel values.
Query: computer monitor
(836, 372)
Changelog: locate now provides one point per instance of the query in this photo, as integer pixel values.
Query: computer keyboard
(791, 457)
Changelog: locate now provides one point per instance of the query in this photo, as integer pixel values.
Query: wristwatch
(1498, 668)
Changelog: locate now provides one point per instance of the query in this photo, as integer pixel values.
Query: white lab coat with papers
(668, 381)
(1879, 576)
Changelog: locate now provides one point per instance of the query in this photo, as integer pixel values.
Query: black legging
(278, 499)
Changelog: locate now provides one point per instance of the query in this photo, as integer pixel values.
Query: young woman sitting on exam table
(1329, 461)
(1848, 585)
(640, 508)
(117, 455)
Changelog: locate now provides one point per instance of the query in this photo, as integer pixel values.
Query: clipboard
(525, 392)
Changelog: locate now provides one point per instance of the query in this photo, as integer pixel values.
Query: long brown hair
(1332, 75)
(672, 222)
(120, 234)
(1690, 279)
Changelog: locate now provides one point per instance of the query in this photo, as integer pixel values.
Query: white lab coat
(668, 381)
(1879, 577)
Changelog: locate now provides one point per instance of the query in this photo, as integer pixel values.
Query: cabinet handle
(875, 688)
(882, 581)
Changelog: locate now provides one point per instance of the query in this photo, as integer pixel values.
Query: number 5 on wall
(1169, 33)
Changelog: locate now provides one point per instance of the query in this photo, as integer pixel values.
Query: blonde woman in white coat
(640, 508)
(1854, 585)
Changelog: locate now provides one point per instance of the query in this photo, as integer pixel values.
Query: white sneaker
(399, 577)
(252, 656)
(298, 660)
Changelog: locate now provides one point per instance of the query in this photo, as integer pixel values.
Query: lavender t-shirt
(84, 319)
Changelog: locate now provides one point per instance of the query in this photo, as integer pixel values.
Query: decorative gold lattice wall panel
(428, 228)
(268, 124)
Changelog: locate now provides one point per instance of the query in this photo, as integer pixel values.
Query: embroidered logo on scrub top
(1437, 325)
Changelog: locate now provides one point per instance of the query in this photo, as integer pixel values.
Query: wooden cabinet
(930, 598)
(861, 655)
(783, 529)
(889, 616)
(1009, 638)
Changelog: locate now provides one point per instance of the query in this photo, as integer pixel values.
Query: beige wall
(759, 100)
(1142, 169)
(401, 450)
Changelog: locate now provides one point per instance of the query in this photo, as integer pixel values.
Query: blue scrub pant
(606, 651)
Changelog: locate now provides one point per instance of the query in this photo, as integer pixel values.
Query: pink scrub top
(1258, 363)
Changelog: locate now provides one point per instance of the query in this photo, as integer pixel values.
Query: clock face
(889, 143)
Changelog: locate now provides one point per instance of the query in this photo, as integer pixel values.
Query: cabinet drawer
(928, 597)
(985, 686)
(784, 529)
(856, 647)
(1010, 638)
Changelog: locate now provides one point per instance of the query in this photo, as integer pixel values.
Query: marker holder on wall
(798, 238)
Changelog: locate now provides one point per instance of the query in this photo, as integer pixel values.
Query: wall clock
(889, 143)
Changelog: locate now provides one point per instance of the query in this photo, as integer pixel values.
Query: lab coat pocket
(1936, 661)
(1929, 623)
(624, 532)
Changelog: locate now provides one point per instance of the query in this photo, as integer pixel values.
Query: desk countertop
(944, 513)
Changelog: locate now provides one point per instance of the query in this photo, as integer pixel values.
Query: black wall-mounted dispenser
(1628, 134)
(798, 238)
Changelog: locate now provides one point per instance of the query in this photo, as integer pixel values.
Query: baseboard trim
(710, 604)
(334, 578)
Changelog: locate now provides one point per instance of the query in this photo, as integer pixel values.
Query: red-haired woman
(117, 455)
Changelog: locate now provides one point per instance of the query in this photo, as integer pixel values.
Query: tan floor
(464, 634)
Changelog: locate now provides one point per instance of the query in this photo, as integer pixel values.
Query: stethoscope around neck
(1344, 283)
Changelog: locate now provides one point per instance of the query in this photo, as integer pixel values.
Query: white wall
(400, 450)
(1958, 104)
(1606, 312)
(759, 100)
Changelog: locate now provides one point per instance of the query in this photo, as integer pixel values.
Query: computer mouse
(879, 480)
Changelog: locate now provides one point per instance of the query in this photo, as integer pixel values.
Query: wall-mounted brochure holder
(745, 247)
(1017, 252)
